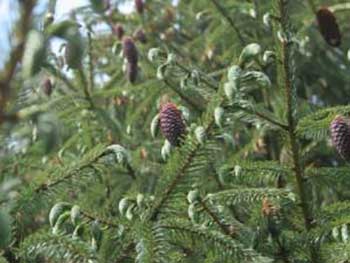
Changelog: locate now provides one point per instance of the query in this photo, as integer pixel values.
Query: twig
(45, 186)
(189, 101)
(171, 187)
(131, 171)
(102, 221)
(230, 21)
(264, 117)
(185, 69)
(85, 87)
(216, 219)
(16, 54)
(289, 94)
(91, 65)
(124, 254)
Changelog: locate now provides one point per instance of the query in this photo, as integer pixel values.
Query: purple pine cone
(118, 30)
(131, 72)
(140, 36)
(328, 26)
(171, 123)
(130, 50)
(340, 132)
(47, 87)
(139, 5)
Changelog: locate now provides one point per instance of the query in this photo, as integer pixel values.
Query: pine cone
(139, 6)
(118, 30)
(340, 132)
(130, 51)
(328, 26)
(171, 123)
(140, 36)
(47, 87)
(131, 72)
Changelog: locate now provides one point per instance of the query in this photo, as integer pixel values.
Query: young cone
(130, 50)
(47, 87)
(171, 123)
(139, 6)
(131, 72)
(118, 30)
(140, 36)
(340, 132)
(328, 26)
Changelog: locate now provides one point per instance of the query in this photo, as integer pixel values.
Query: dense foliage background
(246, 91)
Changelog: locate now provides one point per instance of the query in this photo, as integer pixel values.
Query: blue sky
(8, 16)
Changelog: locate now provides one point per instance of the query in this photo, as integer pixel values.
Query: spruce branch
(202, 78)
(216, 219)
(85, 85)
(125, 252)
(169, 190)
(263, 117)
(290, 95)
(84, 165)
(131, 171)
(193, 103)
(93, 218)
(230, 21)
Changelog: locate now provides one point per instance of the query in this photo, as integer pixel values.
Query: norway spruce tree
(177, 131)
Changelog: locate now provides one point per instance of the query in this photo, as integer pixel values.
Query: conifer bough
(328, 26)
(171, 123)
(340, 132)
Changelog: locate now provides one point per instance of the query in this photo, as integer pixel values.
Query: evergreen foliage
(248, 96)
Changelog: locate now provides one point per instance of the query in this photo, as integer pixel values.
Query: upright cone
(140, 36)
(171, 123)
(340, 132)
(118, 30)
(47, 87)
(328, 26)
(131, 55)
(130, 50)
(131, 72)
(139, 6)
